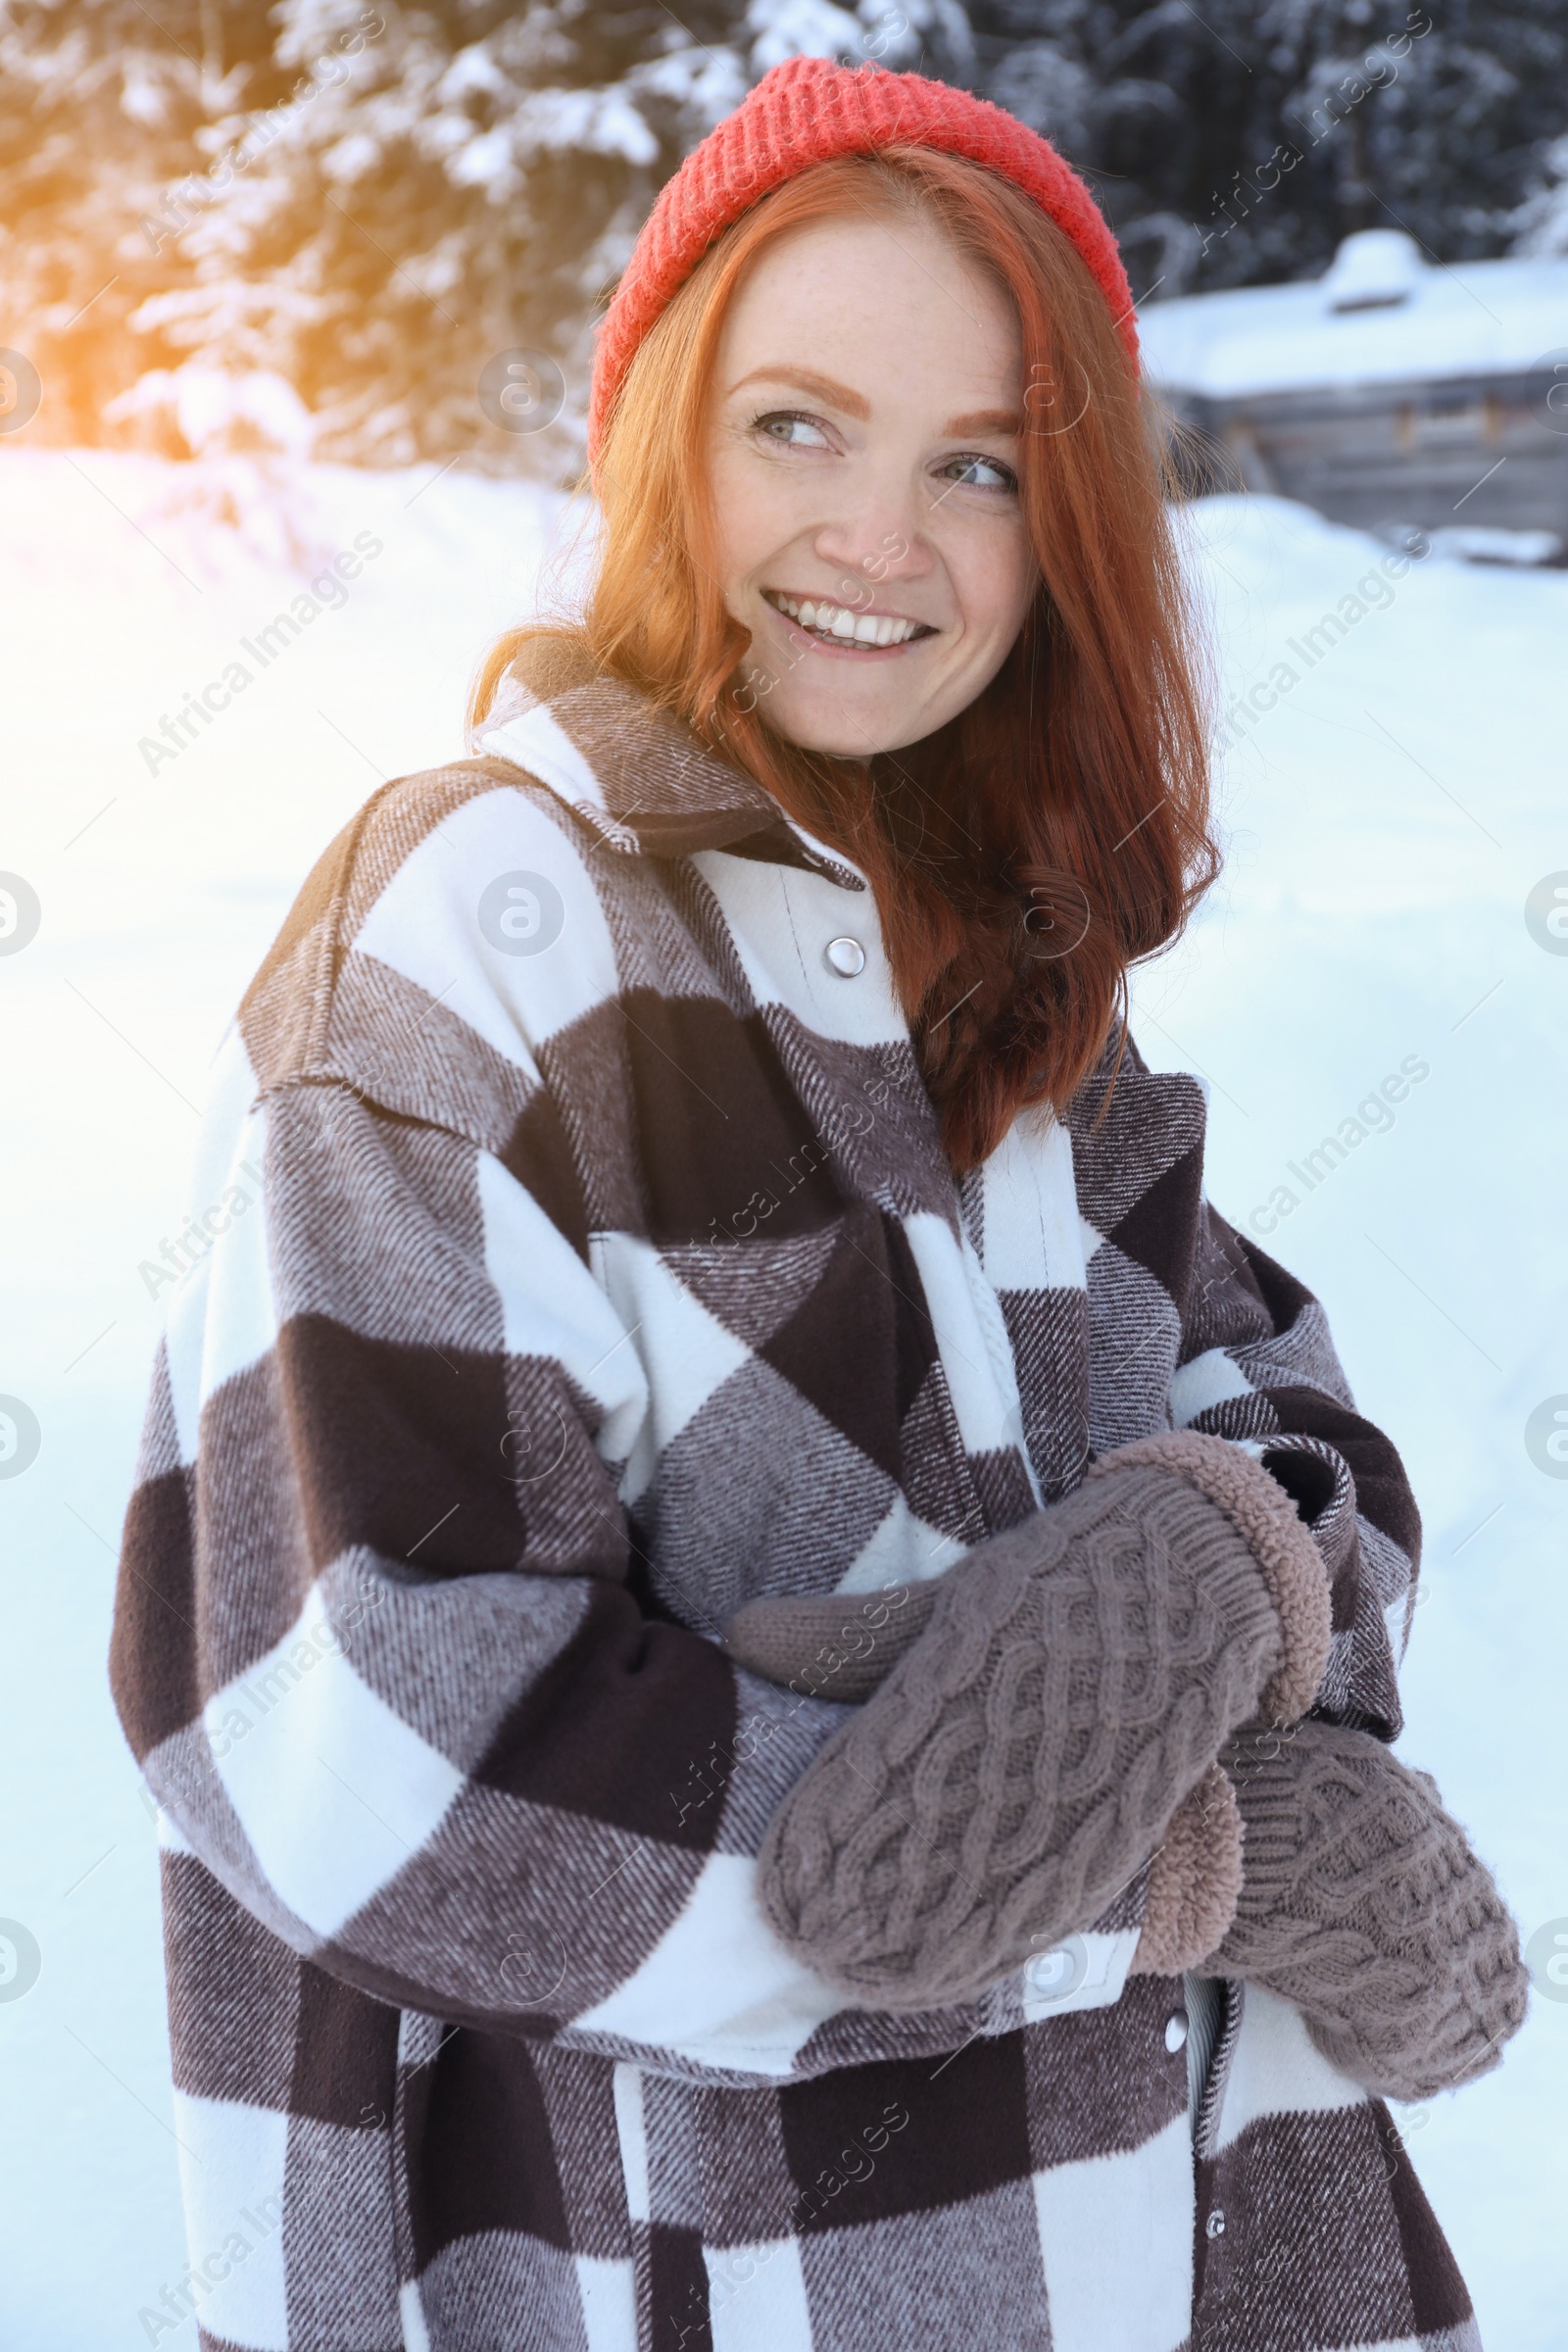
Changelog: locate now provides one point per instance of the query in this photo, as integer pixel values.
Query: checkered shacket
(578, 1259)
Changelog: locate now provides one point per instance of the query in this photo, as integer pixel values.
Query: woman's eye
(795, 432)
(980, 473)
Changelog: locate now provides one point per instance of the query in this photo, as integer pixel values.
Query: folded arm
(375, 1646)
(1068, 1684)
(1258, 1366)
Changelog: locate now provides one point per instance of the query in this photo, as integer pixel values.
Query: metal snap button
(845, 956)
(1214, 2227)
(1176, 2030)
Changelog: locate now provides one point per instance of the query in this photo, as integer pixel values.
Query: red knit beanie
(805, 112)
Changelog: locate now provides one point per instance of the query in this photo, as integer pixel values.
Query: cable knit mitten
(1074, 1681)
(1363, 1904)
(838, 1645)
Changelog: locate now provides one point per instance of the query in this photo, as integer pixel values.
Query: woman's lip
(865, 612)
(845, 649)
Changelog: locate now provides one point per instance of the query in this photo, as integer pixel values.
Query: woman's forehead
(864, 301)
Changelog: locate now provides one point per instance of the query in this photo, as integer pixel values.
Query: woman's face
(862, 454)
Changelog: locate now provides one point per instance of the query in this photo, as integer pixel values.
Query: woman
(739, 1579)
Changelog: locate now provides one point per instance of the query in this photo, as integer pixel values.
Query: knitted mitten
(1073, 1682)
(1363, 1904)
(837, 1646)
(842, 1645)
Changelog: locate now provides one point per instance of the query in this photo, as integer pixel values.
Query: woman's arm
(375, 1643)
(1351, 1891)
(1257, 1364)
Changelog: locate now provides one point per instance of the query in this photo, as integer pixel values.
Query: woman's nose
(872, 549)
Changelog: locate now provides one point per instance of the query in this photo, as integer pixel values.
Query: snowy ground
(1387, 820)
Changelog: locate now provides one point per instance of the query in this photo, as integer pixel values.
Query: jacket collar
(636, 776)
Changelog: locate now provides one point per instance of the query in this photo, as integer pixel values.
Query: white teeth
(838, 621)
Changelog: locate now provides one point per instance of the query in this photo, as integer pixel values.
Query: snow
(1372, 266)
(1541, 221)
(1386, 821)
(1487, 543)
(1474, 318)
(786, 29)
(214, 409)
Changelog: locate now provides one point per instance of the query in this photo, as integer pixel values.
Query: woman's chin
(844, 731)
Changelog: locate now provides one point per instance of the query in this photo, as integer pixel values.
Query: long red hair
(1026, 855)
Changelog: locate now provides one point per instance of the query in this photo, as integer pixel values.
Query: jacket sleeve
(1256, 1363)
(377, 1646)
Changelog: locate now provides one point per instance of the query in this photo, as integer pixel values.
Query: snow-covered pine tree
(1237, 143)
(451, 181)
(374, 197)
(101, 106)
(1541, 224)
(438, 184)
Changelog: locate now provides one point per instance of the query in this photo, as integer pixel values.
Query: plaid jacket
(572, 1257)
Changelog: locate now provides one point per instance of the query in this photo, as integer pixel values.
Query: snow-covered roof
(1379, 314)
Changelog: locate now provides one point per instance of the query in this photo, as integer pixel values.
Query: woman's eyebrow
(986, 421)
(821, 387)
(853, 403)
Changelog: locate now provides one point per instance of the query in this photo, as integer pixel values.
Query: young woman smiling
(767, 1648)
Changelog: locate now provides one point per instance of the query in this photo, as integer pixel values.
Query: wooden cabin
(1393, 393)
